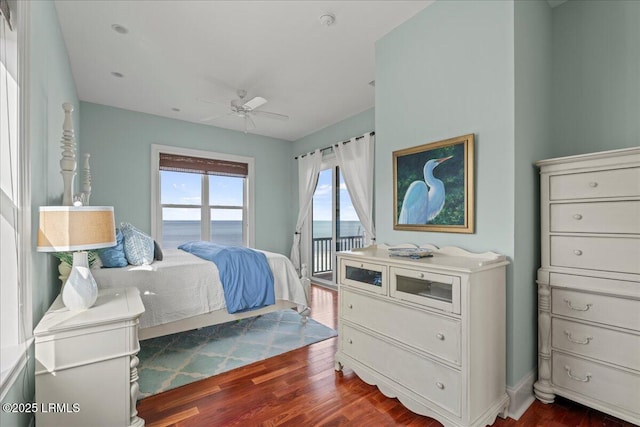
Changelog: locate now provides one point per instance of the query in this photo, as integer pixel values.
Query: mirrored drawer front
(364, 275)
(607, 384)
(608, 310)
(611, 346)
(610, 183)
(423, 376)
(428, 289)
(600, 217)
(596, 253)
(441, 338)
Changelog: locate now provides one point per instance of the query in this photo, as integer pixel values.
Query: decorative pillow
(157, 251)
(138, 246)
(114, 256)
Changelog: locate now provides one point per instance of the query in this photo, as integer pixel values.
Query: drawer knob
(440, 337)
(593, 184)
(361, 265)
(421, 275)
(440, 385)
(577, 252)
(575, 341)
(350, 306)
(572, 307)
(577, 216)
(350, 341)
(586, 379)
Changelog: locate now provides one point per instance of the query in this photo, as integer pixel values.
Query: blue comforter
(245, 274)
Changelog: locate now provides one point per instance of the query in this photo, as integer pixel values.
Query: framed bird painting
(433, 186)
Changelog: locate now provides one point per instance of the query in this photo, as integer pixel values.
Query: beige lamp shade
(75, 228)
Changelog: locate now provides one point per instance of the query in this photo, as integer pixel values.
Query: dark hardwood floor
(301, 388)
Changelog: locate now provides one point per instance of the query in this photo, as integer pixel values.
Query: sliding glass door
(335, 225)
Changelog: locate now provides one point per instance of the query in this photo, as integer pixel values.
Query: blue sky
(322, 199)
(186, 189)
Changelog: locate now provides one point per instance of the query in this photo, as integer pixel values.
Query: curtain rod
(331, 146)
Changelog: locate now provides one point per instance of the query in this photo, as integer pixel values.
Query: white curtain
(308, 169)
(355, 160)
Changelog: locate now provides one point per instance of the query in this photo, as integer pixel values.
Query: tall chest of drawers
(430, 332)
(589, 282)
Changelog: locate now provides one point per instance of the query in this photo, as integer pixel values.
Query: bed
(183, 292)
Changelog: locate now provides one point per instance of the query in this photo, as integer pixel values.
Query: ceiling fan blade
(270, 115)
(254, 103)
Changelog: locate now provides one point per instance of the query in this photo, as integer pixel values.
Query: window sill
(12, 360)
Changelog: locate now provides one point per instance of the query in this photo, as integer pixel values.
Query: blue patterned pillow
(138, 246)
(114, 256)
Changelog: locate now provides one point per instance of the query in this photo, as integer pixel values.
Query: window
(202, 196)
(15, 236)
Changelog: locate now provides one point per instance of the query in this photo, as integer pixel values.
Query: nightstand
(86, 365)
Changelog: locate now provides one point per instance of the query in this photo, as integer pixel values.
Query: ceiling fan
(245, 109)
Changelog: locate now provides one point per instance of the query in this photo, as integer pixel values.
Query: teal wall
(533, 43)
(50, 84)
(446, 72)
(596, 69)
(119, 142)
(353, 126)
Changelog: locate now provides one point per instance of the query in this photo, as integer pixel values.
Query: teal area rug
(173, 360)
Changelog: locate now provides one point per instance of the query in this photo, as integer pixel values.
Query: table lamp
(77, 229)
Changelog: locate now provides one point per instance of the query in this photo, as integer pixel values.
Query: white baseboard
(521, 395)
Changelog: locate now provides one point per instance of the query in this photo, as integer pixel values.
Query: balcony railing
(321, 251)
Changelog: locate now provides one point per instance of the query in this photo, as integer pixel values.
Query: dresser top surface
(448, 258)
(612, 157)
(112, 305)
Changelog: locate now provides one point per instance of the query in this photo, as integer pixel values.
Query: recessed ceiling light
(117, 74)
(119, 29)
(175, 109)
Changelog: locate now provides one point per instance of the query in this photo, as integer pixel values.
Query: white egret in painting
(424, 200)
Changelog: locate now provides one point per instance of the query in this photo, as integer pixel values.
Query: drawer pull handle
(440, 337)
(573, 340)
(577, 216)
(586, 379)
(577, 252)
(593, 184)
(585, 308)
(440, 385)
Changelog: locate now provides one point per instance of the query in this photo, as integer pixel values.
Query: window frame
(18, 353)
(248, 217)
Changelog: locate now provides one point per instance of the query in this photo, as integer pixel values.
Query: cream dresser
(86, 364)
(589, 282)
(430, 332)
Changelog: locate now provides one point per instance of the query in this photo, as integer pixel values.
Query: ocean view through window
(335, 224)
(201, 198)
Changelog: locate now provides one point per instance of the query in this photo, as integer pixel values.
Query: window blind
(190, 164)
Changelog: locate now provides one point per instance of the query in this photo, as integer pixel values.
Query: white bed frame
(68, 170)
(217, 317)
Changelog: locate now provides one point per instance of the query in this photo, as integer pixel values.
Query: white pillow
(138, 246)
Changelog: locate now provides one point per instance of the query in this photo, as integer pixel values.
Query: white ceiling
(177, 53)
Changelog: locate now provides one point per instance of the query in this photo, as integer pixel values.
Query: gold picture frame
(433, 186)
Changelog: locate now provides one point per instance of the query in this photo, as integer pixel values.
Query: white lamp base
(80, 291)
